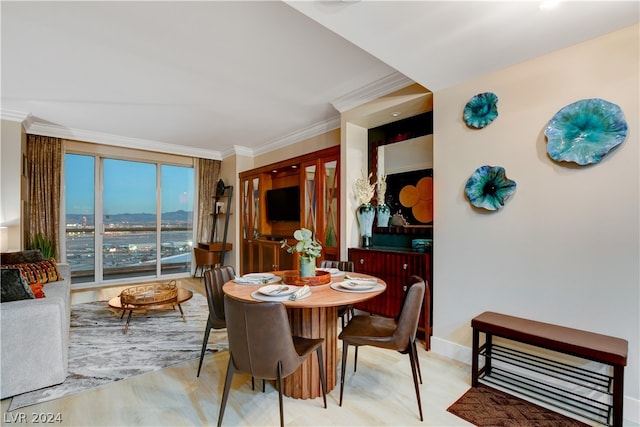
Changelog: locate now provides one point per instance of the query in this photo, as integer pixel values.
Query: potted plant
(308, 249)
(45, 244)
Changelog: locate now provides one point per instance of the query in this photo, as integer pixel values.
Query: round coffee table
(183, 296)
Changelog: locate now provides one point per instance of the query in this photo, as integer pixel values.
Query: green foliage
(306, 246)
(45, 244)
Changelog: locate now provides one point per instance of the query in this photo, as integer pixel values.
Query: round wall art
(489, 188)
(585, 131)
(481, 110)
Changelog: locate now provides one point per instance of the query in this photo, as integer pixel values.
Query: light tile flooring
(380, 393)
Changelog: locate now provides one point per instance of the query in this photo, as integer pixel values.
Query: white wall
(11, 148)
(565, 248)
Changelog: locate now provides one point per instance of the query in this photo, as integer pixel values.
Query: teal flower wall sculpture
(481, 110)
(489, 188)
(585, 131)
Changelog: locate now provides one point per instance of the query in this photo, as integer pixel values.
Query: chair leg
(204, 344)
(227, 386)
(280, 393)
(413, 360)
(415, 352)
(355, 361)
(345, 348)
(322, 378)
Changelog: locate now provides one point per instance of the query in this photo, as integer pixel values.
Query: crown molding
(372, 91)
(15, 116)
(300, 135)
(237, 150)
(120, 141)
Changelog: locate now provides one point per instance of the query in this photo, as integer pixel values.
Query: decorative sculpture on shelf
(489, 188)
(585, 131)
(481, 110)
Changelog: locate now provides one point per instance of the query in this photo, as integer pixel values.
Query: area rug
(487, 407)
(99, 353)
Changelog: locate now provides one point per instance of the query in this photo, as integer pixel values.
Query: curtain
(208, 174)
(44, 160)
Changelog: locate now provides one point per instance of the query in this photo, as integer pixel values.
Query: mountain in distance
(135, 218)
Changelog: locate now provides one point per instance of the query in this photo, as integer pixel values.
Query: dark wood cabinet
(395, 268)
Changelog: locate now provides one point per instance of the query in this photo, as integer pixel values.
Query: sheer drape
(208, 175)
(44, 160)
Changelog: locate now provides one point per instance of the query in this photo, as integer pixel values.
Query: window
(142, 210)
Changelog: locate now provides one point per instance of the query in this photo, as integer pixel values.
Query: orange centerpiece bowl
(292, 277)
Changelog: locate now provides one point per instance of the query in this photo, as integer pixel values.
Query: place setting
(357, 284)
(257, 279)
(334, 272)
(280, 293)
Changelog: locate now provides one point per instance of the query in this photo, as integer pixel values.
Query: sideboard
(395, 266)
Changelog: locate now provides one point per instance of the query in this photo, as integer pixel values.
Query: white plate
(337, 286)
(358, 285)
(333, 271)
(277, 290)
(258, 276)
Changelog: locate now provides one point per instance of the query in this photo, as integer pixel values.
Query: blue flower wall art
(489, 188)
(481, 110)
(585, 131)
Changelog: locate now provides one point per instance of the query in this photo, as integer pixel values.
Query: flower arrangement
(364, 189)
(382, 188)
(307, 245)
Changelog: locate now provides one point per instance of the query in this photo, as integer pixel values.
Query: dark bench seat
(587, 345)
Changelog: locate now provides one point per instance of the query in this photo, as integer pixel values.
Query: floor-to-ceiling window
(127, 218)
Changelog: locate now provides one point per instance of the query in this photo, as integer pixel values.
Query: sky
(129, 186)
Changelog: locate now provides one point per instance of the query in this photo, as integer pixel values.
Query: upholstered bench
(551, 379)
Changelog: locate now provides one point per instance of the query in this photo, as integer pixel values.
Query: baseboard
(463, 354)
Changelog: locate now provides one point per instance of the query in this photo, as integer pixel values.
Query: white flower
(364, 189)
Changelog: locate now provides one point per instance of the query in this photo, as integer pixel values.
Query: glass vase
(384, 214)
(366, 214)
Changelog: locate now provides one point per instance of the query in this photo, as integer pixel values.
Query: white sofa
(35, 338)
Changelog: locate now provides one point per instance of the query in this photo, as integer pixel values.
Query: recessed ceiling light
(395, 113)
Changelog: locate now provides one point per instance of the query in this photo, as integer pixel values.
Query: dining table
(314, 315)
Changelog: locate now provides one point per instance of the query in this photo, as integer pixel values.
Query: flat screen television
(283, 204)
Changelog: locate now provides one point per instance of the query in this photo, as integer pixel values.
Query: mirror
(405, 156)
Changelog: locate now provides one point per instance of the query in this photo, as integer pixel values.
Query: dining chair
(392, 334)
(204, 258)
(344, 311)
(261, 344)
(213, 281)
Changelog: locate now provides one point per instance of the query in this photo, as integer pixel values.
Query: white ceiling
(211, 78)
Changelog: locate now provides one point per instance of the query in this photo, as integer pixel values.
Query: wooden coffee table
(183, 296)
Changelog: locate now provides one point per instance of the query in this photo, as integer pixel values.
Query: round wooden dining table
(315, 316)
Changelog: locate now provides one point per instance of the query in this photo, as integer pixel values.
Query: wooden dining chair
(261, 344)
(213, 281)
(345, 312)
(391, 334)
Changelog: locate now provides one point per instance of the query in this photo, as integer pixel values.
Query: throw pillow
(13, 286)
(39, 272)
(37, 290)
(19, 257)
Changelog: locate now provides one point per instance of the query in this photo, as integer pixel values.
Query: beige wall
(325, 140)
(565, 248)
(12, 146)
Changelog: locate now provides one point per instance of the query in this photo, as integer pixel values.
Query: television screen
(283, 204)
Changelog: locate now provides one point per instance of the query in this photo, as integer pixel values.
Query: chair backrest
(213, 281)
(409, 316)
(259, 337)
(340, 265)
